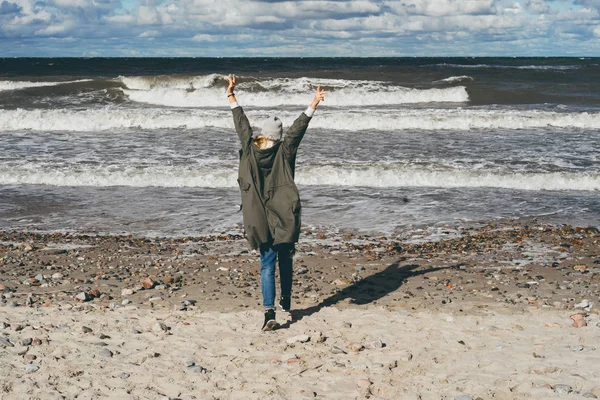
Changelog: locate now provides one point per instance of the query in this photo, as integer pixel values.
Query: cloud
(318, 27)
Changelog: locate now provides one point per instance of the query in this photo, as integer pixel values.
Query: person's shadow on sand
(367, 290)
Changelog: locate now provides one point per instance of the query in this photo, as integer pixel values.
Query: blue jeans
(268, 259)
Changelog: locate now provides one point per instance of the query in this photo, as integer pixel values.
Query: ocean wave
(381, 175)
(18, 85)
(349, 119)
(454, 79)
(525, 67)
(208, 91)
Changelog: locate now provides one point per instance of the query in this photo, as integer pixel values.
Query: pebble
(127, 292)
(124, 375)
(578, 321)
(337, 350)
(589, 395)
(30, 357)
(39, 277)
(5, 342)
(125, 302)
(405, 356)
(57, 276)
(301, 270)
(298, 339)
(562, 389)
(160, 327)
(26, 342)
(341, 282)
(16, 327)
(82, 296)
(198, 369)
(363, 383)
(85, 329)
(376, 344)
(105, 353)
(188, 364)
(147, 283)
(29, 368)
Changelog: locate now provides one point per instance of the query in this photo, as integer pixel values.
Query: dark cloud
(9, 8)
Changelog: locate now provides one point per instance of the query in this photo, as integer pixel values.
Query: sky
(317, 28)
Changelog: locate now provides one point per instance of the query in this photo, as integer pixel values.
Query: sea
(147, 146)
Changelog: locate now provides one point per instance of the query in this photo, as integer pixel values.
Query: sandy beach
(507, 310)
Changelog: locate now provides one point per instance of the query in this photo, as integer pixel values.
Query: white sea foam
(348, 119)
(455, 79)
(382, 175)
(16, 85)
(201, 91)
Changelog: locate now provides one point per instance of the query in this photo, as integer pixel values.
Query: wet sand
(506, 310)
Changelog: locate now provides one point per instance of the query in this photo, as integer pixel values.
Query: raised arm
(242, 125)
(296, 132)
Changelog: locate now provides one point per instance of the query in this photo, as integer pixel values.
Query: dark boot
(270, 322)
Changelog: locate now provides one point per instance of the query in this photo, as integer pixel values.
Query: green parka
(270, 201)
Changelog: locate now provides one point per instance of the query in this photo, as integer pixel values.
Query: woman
(270, 200)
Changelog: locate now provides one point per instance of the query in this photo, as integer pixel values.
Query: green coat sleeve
(294, 136)
(242, 127)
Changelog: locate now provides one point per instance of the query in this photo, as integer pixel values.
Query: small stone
(298, 339)
(347, 325)
(125, 302)
(578, 321)
(57, 276)
(301, 270)
(39, 277)
(355, 347)
(95, 293)
(83, 296)
(341, 282)
(363, 383)
(30, 357)
(102, 336)
(127, 292)
(376, 344)
(197, 369)
(29, 368)
(85, 329)
(160, 327)
(359, 268)
(562, 389)
(36, 342)
(405, 356)
(337, 350)
(147, 283)
(5, 342)
(106, 353)
(124, 375)
(26, 342)
(589, 395)
(580, 268)
(188, 364)
(16, 327)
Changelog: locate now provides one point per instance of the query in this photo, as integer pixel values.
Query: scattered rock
(124, 375)
(341, 282)
(57, 276)
(26, 342)
(188, 364)
(578, 321)
(376, 344)
(589, 395)
(160, 327)
(127, 292)
(562, 389)
(147, 283)
(363, 383)
(30, 357)
(198, 369)
(83, 296)
(29, 368)
(5, 342)
(298, 339)
(106, 353)
(85, 329)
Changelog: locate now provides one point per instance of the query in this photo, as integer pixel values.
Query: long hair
(261, 141)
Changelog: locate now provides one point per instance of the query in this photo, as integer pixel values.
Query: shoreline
(507, 310)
